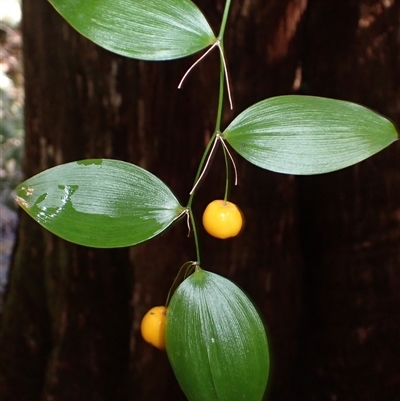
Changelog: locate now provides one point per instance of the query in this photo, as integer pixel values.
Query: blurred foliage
(11, 109)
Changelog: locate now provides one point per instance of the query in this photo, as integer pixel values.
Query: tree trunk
(70, 323)
(351, 218)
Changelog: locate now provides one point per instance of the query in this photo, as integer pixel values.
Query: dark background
(320, 255)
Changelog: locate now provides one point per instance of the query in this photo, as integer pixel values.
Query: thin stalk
(224, 20)
(227, 174)
(220, 101)
(186, 265)
(221, 97)
(216, 132)
(201, 166)
(196, 240)
(222, 68)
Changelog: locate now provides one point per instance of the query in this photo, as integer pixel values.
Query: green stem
(216, 132)
(196, 239)
(227, 174)
(221, 96)
(224, 20)
(201, 166)
(222, 71)
(187, 265)
(220, 101)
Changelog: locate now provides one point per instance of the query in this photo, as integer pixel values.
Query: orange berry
(153, 326)
(222, 219)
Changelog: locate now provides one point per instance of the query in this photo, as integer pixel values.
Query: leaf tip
(23, 194)
(21, 202)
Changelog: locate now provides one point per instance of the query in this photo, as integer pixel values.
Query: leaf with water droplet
(99, 202)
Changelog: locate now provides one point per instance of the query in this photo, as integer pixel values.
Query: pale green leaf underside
(142, 29)
(99, 202)
(308, 135)
(216, 341)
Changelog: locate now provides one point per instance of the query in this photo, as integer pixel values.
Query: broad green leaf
(216, 341)
(142, 29)
(99, 202)
(308, 135)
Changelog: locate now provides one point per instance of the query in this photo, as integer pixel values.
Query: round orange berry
(153, 326)
(222, 219)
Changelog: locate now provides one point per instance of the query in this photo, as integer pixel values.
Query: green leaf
(216, 341)
(308, 135)
(142, 29)
(99, 202)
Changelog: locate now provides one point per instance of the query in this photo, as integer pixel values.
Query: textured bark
(70, 323)
(351, 221)
(66, 321)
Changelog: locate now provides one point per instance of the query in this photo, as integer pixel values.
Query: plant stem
(201, 166)
(224, 20)
(222, 70)
(214, 135)
(221, 95)
(227, 174)
(196, 240)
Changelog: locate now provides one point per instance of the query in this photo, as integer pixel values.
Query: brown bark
(70, 324)
(65, 326)
(84, 102)
(351, 224)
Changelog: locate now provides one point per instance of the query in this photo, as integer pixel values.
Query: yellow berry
(222, 219)
(153, 326)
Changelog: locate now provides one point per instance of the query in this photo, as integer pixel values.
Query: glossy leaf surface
(142, 29)
(99, 202)
(308, 135)
(216, 341)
